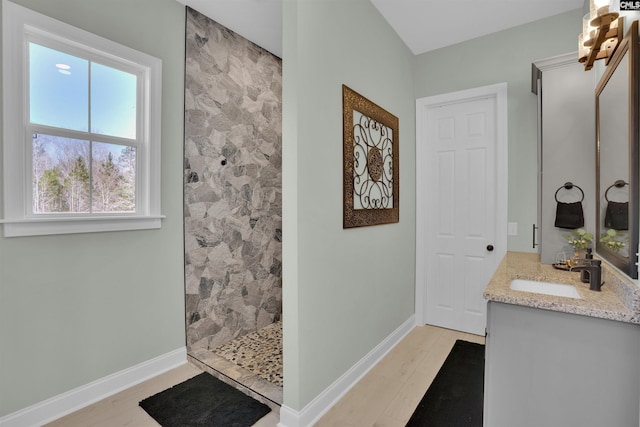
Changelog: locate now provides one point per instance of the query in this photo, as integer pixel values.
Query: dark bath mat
(204, 401)
(456, 395)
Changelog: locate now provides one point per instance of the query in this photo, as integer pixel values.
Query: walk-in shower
(233, 205)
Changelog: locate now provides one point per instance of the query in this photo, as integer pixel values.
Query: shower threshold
(252, 363)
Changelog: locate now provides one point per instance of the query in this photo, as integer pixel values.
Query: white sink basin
(547, 288)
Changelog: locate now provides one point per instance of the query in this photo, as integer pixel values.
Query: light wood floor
(385, 397)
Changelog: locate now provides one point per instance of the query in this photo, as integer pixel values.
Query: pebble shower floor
(259, 352)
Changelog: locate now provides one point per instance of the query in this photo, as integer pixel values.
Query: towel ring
(618, 184)
(569, 186)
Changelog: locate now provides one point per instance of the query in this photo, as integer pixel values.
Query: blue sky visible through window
(113, 102)
(58, 89)
(59, 92)
(74, 175)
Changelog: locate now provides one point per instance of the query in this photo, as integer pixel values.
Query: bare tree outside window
(81, 176)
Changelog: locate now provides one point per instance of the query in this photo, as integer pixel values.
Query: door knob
(490, 248)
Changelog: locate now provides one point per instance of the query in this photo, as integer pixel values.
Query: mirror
(617, 157)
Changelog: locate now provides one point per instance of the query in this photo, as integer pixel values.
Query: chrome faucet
(594, 268)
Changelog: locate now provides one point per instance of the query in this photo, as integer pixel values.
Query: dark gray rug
(456, 395)
(204, 401)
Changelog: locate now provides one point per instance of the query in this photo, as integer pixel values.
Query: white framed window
(81, 141)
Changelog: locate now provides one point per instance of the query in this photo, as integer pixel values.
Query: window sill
(48, 226)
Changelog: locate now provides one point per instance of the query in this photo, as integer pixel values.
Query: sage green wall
(506, 56)
(75, 308)
(349, 289)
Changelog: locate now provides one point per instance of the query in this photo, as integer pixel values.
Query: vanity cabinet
(566, 146)
(554, 369)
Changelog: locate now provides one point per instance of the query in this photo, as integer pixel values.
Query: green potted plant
(579, 239)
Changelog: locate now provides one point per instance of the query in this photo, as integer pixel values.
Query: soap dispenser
(584, 274)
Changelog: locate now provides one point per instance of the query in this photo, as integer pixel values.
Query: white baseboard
(72, 400)
(312, 412)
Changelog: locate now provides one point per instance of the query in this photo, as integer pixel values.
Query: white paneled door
(461, 209)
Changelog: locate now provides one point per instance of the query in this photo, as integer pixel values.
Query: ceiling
(423, 25)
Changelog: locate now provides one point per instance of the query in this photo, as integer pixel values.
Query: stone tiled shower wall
(233, 184)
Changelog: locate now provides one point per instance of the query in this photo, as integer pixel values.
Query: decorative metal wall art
(371, 186)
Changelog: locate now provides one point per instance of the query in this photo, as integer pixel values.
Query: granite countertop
(619, 299)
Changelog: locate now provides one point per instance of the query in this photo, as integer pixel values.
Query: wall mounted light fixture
(602, 31)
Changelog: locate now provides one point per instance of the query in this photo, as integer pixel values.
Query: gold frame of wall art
(371, 188)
